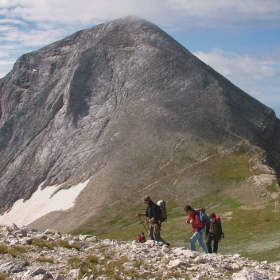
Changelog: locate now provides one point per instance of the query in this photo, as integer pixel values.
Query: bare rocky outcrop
(31, 254)
(126, 106)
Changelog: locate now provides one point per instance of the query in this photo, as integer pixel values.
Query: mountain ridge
(114, 104)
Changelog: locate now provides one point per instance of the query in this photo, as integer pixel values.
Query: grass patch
(86, 266)
(270, 255)
(45, 259)
(91, 264)
(252, 233)
(17, 250)
(232, 167)
(4, 276)
(213, 199)
(66, 244)
(273, 187)
(3, 249)
(74, 262)
(42, 243)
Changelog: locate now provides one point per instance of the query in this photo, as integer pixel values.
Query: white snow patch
(41, 203)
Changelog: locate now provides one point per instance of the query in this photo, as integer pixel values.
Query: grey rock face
(111, 103)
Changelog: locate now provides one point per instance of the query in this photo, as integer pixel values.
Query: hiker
(213, 233)
(141, 238)
(197, 227)
(154, 223)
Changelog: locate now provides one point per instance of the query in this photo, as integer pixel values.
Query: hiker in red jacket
(197, 227)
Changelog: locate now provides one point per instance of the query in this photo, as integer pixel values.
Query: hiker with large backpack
(153, 212)
(213, 233)
(197, 227)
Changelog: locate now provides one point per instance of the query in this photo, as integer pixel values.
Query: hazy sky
(239, 39)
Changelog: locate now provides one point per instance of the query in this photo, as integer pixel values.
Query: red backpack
(218, 218)
(197, 223)
(140, 239)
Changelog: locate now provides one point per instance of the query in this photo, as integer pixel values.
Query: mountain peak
(125, 107)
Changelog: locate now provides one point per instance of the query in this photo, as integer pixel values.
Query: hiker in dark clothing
(213, 233)
(153, 213)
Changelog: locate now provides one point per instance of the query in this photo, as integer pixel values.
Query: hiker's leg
(202, 244)
(215, 246)
(151, 233)
(193, 239)
(157, 235)
(209, 243)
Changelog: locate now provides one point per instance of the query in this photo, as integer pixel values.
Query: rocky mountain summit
(125, 108)
(30, 254)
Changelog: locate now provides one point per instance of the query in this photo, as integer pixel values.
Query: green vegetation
(17, 250)
(3, 276)
(113, 268)
(74, 262)
(273, 187)
(252, 233)
(233, 167)
(42, 243)
(228, 186)
(45, 259)
(93, 265)
(66, 244)
(3, 249)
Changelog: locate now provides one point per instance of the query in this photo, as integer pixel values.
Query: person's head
(146, 199)
(142, 233)
(212, 217)
(188, 208)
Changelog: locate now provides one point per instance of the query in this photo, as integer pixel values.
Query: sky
(239, 39)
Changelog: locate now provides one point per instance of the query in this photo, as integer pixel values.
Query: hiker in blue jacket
(154, 223)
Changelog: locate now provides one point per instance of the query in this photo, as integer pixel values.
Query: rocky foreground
(30, 254)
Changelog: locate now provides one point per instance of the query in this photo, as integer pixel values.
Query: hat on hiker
(146, 198)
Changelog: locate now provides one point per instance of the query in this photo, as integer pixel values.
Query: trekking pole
(143, 224)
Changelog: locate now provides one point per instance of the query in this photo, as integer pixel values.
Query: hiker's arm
(220, 231)
(140, 214)
(207, 229)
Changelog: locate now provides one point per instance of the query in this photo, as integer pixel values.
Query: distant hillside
(124, 110)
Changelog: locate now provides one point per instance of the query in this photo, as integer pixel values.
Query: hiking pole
(143, 224)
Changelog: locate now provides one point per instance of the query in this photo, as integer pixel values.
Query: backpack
(140, 239)
(197, 223)
(218, 218)
(203, 217)
(163, 212)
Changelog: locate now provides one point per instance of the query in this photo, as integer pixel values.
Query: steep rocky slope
(123, 105)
